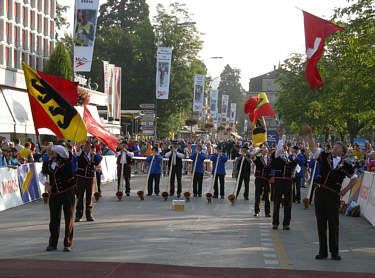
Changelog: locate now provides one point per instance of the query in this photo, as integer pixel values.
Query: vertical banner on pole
(117, 96)
(198, 93)
(163, 72)
(213, 104)
(109, 88)
(224, 106)
(84, 33)
(233, 108)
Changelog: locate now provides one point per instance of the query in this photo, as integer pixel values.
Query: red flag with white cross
(316, 31)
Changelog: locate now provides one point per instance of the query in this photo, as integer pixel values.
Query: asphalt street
(210, 235)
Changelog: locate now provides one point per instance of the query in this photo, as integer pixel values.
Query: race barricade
(366, 198)
(10, 195)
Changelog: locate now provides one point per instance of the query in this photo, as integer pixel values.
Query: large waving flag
(263, 107)
(95, 129)
(59, 114)
(316, 31)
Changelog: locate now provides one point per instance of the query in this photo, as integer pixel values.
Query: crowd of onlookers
(13, 153)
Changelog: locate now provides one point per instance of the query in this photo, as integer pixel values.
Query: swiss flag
(98, 131)
(316, 31)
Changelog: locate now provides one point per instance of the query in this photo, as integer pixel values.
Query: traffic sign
(147, 106)
(147, 123)
(148, 116)
(148, 132)
(147, 128)
(148, 112)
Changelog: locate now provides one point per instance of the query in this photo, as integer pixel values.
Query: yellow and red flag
(263, 107)
(52, 110)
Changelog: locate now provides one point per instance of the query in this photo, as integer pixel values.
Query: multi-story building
(27, 32)
(267, 83)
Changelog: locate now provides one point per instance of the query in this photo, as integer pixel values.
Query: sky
(251, 35)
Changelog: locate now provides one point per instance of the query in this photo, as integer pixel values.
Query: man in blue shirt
(301, 161)
(199, 170)
(155, 171)
(220, 173)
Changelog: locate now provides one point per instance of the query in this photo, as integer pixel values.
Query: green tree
(230, 85)
(60, 20)
(186, 44)
(59, 63)
(348, 69)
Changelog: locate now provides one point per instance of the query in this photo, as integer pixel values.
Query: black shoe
(149, 194)
(274, 227)
(321, 257)
(246, 198)
(298, 201)
(128, 194)
(256, 214)
(90, 219)
(268, 215)
(77, 219)
(171, 194)
(157, 194)
(178, 195)
(286, 227)
(222, 197)
(199, 195)
(67, 249)
(195, 195)
(51, 248)
(215, 197)
(336, 257)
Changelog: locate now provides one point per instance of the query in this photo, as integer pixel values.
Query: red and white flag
(316, 31)
(98, 131)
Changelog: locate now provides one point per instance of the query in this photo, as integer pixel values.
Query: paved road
(216, 235)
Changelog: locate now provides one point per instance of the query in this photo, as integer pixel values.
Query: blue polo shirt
(156, 164)
(199, 167)
(221, 165)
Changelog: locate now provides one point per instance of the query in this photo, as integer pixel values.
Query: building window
(2, 8)
(7, 58)
(32, 20)
(40, 5)
(1, 30)
(46, 7)
(24, 16)
(33, 3)
(40, 23)
(8, 33)
(9, 9)
(46, 26)
(1, 55)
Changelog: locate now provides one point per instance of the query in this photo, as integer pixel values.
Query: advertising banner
(233, 108)
(224, 106)
(198, 93)
(29, 188)
(163, 72)
(110, 88)
(10, 195)
(117, 95)
(214, 95)
(85, 18)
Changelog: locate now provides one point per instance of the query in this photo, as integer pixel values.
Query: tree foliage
(230, 85)
(186, 44)
(59, 62)
(348, 70)
(60, 20)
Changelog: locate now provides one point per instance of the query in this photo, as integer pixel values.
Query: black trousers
(197, 183)
(244, 178)
(98, 180)
(262, 187)
(222, 189)
(176, 173)
(126, 175)
(312, 193)
(327, 211)
(84, 185)
(282, 188)
(297, 189)
(151, 179)
(65, 202)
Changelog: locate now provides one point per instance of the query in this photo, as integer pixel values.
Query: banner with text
(214, 95)
(198, 93)
(85, 18)
(117, 95)
(9, 191)
(163, 72)
(224, 106)
(110, 88)
(233, 111)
